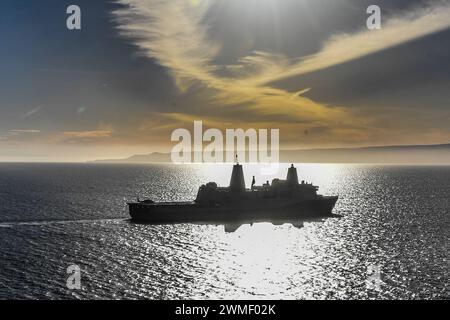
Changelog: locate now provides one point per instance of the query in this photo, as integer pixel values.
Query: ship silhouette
(277, 202)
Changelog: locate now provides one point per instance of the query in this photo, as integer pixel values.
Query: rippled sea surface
(391, 241)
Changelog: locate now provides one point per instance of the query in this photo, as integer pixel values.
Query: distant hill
(413, 154)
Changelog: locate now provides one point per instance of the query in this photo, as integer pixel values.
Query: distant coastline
(409, 154)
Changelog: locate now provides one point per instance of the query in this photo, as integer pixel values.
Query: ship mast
(292, 177)
(237, 183)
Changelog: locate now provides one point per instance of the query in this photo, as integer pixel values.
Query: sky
(139, 69)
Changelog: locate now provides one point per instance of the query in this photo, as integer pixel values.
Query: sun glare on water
(258, 258)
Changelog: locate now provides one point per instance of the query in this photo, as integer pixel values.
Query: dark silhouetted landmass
(413, 154)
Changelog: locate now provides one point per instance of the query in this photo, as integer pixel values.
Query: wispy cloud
(94, 134)
(17, 135)
(174, 33)
(81, 110)
(396, 31)
(19, 131)
(31, 112)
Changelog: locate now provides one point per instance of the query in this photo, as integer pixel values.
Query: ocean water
(391, 241)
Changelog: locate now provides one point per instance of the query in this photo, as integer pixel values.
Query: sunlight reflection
(259, 259)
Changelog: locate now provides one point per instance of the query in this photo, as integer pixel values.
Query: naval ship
(281, 200)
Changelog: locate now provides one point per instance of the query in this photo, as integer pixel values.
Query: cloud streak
(95, 134)
(19, 131)
(16, 135)
(396, 31)
(172, 33)
(31, 112)
(175, 34)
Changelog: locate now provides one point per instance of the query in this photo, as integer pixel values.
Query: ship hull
(265, 210)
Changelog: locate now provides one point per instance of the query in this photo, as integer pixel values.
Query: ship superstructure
(280, 200)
